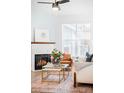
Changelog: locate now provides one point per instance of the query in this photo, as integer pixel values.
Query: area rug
(65, 86)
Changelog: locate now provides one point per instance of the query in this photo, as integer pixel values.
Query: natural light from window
(75, 39)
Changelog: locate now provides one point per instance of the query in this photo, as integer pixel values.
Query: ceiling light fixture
(55, 6)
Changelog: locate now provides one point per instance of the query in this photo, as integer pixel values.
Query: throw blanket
(80, 66)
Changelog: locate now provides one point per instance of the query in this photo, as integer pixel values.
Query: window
(75, 39)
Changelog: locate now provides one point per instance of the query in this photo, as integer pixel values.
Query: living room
(17, 68)
(67, 30)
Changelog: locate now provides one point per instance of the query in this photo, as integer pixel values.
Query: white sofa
(83, 72)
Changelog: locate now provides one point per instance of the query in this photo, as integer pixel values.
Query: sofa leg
(75, 79)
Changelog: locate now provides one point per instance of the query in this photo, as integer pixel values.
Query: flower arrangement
(56, 56)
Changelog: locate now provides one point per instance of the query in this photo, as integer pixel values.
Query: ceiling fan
(55, 4)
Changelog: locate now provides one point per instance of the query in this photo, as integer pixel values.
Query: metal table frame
(52, 69)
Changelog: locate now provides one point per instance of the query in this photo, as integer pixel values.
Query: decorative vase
(56, 62)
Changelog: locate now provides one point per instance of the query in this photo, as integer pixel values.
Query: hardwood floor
(55, 87)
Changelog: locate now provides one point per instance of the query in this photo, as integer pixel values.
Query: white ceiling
(73, 7)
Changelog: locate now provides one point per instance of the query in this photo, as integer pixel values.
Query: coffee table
(51, 68)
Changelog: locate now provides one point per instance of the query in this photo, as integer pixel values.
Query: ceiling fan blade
(45, 2)
(63, 1)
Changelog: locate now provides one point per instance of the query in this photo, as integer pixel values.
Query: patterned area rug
(65, 86)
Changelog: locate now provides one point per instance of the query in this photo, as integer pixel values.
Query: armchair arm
(82, 72)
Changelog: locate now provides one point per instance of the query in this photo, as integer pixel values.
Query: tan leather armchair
(66, 59)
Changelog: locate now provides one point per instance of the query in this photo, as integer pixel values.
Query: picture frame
(41, 35)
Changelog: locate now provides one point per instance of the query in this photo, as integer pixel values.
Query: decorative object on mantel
(56, 56)
(41, 35)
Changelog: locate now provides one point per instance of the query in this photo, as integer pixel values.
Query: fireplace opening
(41, 60)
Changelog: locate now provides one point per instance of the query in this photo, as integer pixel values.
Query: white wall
(43, 20)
